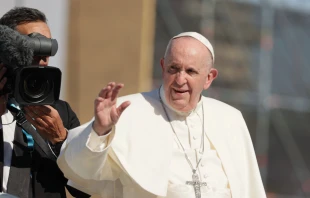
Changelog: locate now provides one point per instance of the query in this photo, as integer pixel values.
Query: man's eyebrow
(192, 68)
(172, 63)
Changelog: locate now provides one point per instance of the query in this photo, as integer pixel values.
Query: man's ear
(162, 64)
(162, 61)
(211, 76)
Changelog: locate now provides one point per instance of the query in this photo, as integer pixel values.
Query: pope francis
(171, 142)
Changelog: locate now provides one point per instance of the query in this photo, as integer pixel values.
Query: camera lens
(36, 87)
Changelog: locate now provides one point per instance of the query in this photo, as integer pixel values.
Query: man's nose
(43, 61)
(181, 78)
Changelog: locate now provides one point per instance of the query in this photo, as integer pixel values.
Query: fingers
(31, 111)
(98, 100)
(117, 112)
(2, 71)
(122, 107)
(104, 92)
(38, 124)
(3, 80)
(41, 109)
(29, 119)
(109, 94)
(42, 115)
(35, 120)
(116, 90)
(111, 90)
(1, 66)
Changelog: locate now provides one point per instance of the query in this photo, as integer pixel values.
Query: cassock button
(205, 176)
(194, 137)
(202, 165)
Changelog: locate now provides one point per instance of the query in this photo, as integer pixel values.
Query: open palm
(106, 112)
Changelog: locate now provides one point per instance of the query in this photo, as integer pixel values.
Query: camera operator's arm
(3, 98)
(47, 121)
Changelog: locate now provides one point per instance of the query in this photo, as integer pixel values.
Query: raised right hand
(3, 98)
(106, 112)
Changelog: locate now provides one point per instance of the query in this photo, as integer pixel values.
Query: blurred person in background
(27, 173)
(171, 142)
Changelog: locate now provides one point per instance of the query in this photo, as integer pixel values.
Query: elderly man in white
(171, 142)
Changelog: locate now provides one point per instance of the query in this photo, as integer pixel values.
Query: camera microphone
(15, 49)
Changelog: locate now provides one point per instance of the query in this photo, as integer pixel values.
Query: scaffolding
(262, 99)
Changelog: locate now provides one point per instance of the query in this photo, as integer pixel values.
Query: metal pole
(264, 88)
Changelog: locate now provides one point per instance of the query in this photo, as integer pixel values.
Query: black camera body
(34, 85)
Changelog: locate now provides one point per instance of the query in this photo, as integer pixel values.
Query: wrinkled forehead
(188, 53)
(189, 49)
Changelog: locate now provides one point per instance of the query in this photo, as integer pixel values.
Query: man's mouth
(180, 91)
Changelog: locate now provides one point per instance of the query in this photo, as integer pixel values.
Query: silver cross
(196, 183)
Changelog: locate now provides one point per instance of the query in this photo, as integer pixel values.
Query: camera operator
(31, 174)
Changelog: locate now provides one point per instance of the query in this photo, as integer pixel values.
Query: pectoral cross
(196, 184)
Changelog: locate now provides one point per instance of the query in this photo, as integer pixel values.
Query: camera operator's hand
(3, 98)
(47, 121)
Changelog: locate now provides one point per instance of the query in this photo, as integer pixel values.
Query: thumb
(122, 107)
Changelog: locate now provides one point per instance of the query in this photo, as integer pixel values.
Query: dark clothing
(47, 181)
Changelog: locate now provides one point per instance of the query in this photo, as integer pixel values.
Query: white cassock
(143, 152)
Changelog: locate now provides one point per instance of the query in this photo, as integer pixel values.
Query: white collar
(180, 113)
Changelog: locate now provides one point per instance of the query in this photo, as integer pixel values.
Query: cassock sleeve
(252, 179)
(84, 159)
(98, 143)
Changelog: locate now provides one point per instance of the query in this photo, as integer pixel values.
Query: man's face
(186, 73)
(40, 27)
